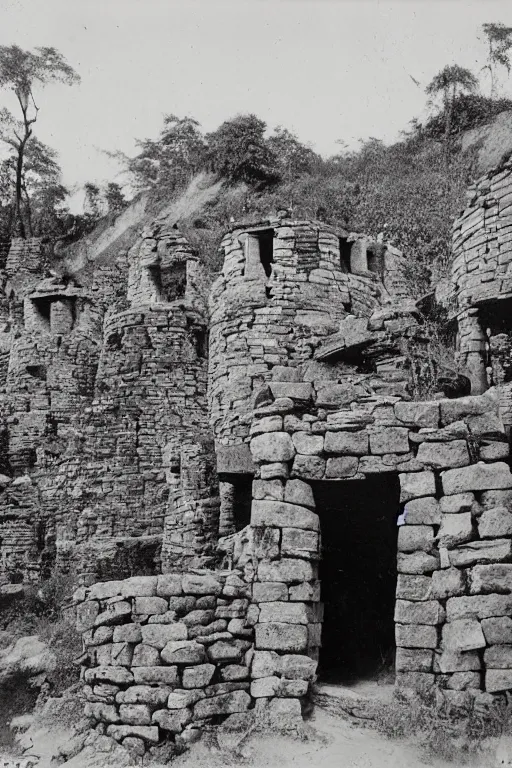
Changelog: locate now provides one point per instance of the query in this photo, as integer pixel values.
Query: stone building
(274, 502)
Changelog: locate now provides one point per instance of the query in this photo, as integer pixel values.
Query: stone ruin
(251, 492)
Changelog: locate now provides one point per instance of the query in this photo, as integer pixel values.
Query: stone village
(244, 478)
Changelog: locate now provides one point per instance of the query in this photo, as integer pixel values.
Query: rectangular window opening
(358, 573)
(345, 251)
(43, 312)
(266, 243)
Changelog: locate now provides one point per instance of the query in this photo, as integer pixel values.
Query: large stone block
(300, 493)
(147, 733)
(108, 674)
(265, 687)
(265, 664)
(287, 613)
(268, 592)
(114, 613)
(224, 704)
(135, 714)
(495, 577)
(347, 443)
(463, 635)
(127, 633)
(464, 681)
(495, 523)
(389, 440)
(283, 515)
(415, 636)
(158, 635)
(308, 444)
(455, 530)
(413, 538)
(341, 467)
(169, 585)
(414, 660)
(104, 713)
(300, 391)
(308, 467)
(198, 676)
(498, 631)
(144, 694)
(413, 587)
(227, 650)
(145, 656)
(272, 447)
(86, 615)
(195, 584)
(425, 414)
(150, 605)
(448, 582)
(490, 551)
(419, 682)
(450, 661)
(498, 657)
(102, 590)
(477, 477)
(418, 562)
(481, 606)
(416, 484)
(281, 637)
(299, 543)
(139, 586)
(456, 409)
(424, 511)
(459, 502)
(287, 570)
(183, 652)
(497, 680)
(444, 455)
(156, 675)
(172, 720)
(298, 667)
(426, 612)
(272, 490)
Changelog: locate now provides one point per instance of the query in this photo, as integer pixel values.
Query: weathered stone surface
(427, 612)
(267, 424)
(300, 391)
(389, 440)
(155, 675)
(199, 676)
(158, 635)
(299, 543)
(498, 631)
(234, 672)
(497, 680)
(444, 455)
(265, 664)
(481, 606)
(413, 660)
(494, 451)
(449, 582)
(424, 511)
(281, 637)
(288, 613)
(86, 615)
(105, 589)
(347, 443)
(172, 720)
(283, 515)
(272, 447)
(135, 714)
(169, 584)
(459, 502)
(424, 414)
(201, 585)
(287, 570)
(455, 530)
(224, 704)
(412, 587)
(308, 444)
(453, 410)
(413, 538)
(266, 592)
(298, 667)
(144, 732)
(145, 656)
(464, 681)
(128, 633)
(341, 467)
(114, 613)
(108, 674)
(498, 657)
(308, 467)
(416, 484)
(415, 636)
(227, 650)
(271, 490)
(150, 605)
(450, 661)
(495, 523)
(486, 579)
(139, 586)
(300, 493)
(419, 682)
(183, 652)
(419, 562)
(144, 694)
(481, 552)
(265, 687)
(105, 713)
(477, 477)
(463, 635)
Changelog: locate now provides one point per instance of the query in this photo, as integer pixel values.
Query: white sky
(327, 69)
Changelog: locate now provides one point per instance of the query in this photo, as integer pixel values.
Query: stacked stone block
(165, 655)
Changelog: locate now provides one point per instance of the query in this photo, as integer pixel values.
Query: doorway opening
(358, 572)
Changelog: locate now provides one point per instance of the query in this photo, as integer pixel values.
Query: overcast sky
(327, 69)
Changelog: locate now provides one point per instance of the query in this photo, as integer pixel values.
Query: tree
(293, 158)
(499, 42)
(20, 71)
(92, 201)
(451, 81)
(114, 198)
(238, 151)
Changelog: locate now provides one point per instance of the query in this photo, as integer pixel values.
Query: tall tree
(21, 71)
(449, 83)
(499, 43)
(239, 151)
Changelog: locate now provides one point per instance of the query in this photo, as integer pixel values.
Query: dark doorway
(358, 577)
